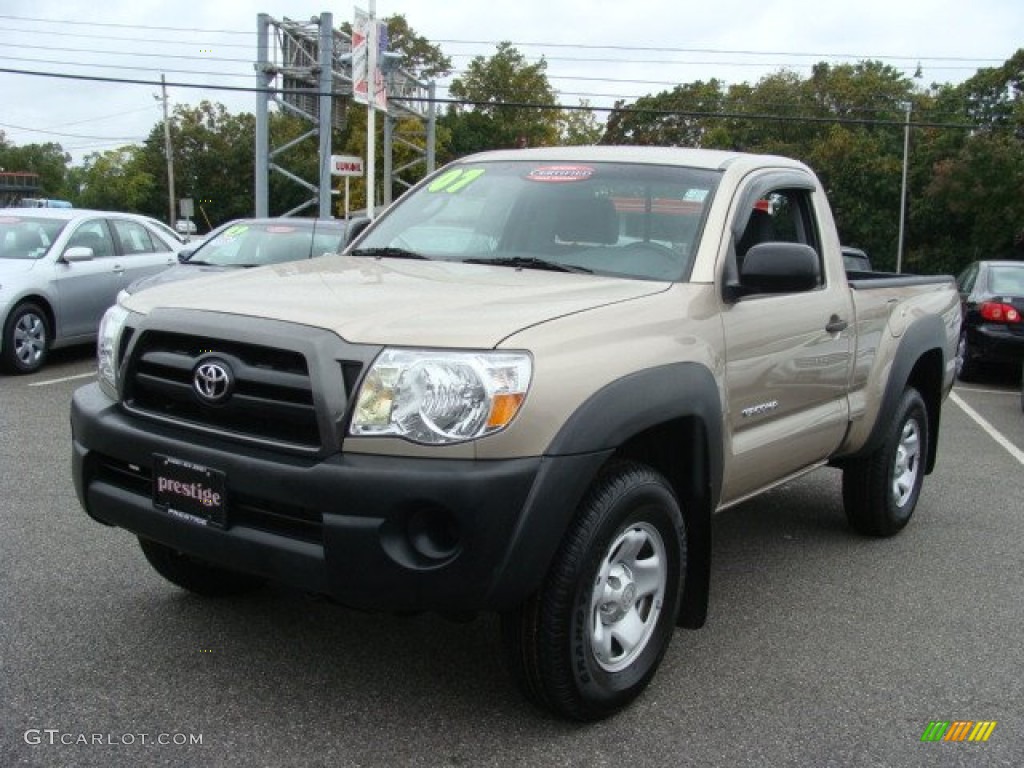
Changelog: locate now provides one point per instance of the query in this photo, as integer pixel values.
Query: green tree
(675, 118)
(580, 126)
(508, 102)
(213, 162)
(419, 56)
(968, 205)
(115, 180)
(48, 160)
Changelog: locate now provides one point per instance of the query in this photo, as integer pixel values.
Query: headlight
(441, 397)
(106, 348)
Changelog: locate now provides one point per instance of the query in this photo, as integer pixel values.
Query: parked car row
(60, 268)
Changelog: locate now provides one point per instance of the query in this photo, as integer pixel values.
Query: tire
(966, 368)
(195, 575)
(591, 638)
(881, 490)
(26, 340)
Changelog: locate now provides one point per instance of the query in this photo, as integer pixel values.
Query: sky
(599, 50)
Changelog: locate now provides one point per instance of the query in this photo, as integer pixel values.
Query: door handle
(836, 324)
(118, 269)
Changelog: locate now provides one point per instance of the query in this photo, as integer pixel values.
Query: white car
(60, 268)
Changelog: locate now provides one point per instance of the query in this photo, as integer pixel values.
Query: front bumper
(372, 532)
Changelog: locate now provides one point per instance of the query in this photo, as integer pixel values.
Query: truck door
(788, 354)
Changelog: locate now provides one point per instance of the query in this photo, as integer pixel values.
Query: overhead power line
(148, 54)
(544, 44)
(126, 26)
(125, 39)
(129, 67)
(898, 123)
(727, 51)
(62, 133)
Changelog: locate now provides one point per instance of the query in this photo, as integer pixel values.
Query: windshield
(629, 220)
(25, 237)
(249, 244)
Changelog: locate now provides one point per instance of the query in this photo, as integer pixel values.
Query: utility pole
(903, 186)
(169, 152)
(371, 108)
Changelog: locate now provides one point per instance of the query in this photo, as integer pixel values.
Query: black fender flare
(605, 422)
(923, 336)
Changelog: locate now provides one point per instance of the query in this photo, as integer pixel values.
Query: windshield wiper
(530, 262)
(389, 253)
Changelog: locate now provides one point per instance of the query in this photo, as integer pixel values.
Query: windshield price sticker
(560, 174)
(455, 180)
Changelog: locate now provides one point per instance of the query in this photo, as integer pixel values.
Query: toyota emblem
(213, 381)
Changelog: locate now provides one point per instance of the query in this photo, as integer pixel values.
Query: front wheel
(590, 639)
(196, 575)
(26, 339)
(881, 490)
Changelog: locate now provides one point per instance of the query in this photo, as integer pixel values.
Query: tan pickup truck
(525, 388)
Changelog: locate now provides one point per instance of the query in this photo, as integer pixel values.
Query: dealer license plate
(190, 492)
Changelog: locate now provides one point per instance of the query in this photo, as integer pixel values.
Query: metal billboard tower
(305, 68)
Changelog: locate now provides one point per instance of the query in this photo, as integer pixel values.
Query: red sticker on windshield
(560, 173)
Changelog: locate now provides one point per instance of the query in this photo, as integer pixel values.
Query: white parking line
(1009, 392)
(59, 381)
(1016, 452)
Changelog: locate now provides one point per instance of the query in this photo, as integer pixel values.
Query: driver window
(780, 216)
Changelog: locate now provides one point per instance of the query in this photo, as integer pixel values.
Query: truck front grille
(272, 396)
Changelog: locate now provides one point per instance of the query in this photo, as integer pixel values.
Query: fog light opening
(433, 534)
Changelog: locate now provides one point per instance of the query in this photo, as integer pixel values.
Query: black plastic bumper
(373, 532)
(995, 344)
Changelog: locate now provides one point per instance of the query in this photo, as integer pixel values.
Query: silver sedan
(59, 271)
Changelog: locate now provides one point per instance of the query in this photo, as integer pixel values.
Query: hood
(399, 302)
(16, 266)
(176, 274)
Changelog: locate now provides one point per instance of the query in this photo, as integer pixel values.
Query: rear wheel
(880, 491)
(590, 639)
(196, 575)
(26, 339)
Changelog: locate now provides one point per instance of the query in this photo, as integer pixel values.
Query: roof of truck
(712, 159)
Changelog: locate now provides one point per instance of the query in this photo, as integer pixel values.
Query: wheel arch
(919, 362)
(44, 304)
(669, 418)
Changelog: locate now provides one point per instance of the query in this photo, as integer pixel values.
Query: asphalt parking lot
(822, 648)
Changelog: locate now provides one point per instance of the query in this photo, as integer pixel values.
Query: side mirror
(780, 268)
(78, 253)
(185, 254)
